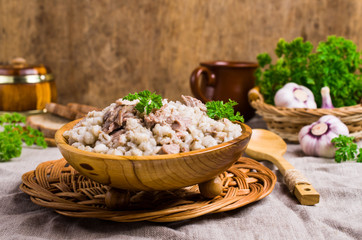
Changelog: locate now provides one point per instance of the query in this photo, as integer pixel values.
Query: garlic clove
(283, 98)
(335, 125)
(325, 147)
(326, 98)
(309, 145)
(304, 131)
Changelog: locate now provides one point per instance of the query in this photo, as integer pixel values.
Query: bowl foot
(117, 198)
(211, 188)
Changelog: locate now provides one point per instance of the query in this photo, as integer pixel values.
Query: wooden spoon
(266, 145)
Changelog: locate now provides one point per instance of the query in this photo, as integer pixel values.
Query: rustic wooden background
(100, 50)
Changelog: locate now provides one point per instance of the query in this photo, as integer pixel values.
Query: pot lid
(19, 71)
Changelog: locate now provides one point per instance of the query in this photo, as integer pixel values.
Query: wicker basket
(287, 122)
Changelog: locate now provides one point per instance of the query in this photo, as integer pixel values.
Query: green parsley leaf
(13, 135)
(219, 109)
(12, 118)
(359, 157)
(147, 101)
(346, 149)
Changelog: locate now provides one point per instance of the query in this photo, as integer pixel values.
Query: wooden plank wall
(101, 50)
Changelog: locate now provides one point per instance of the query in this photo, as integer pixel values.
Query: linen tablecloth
(278, 216)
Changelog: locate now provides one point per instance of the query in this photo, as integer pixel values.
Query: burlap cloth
(278, 216)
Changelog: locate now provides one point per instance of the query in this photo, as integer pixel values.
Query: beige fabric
(278, 216)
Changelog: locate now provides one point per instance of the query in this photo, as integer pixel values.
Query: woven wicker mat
(55, 184)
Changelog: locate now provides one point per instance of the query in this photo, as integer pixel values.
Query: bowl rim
(61, 141)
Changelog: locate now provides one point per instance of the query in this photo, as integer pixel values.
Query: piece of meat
(159, 116)
(170, 149)
(126, 112)
(193, 102)
(114, 118)
(180, 124)
(152, 119)
(109, 119)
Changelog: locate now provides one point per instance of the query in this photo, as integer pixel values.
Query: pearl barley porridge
(120, 129)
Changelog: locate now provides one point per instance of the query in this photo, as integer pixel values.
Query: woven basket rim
(352, 113)
(358, 106)
(255, 95)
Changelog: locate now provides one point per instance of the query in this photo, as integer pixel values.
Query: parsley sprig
(346, 149)
(219, 110)
(147, 101)
(14, 134)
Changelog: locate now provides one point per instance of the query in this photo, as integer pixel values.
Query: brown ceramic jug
(224, 80)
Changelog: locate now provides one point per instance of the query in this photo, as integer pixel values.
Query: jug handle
(195, 81)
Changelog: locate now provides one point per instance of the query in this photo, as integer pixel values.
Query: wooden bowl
(158, 172)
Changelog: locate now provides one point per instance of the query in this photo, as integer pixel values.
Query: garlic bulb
(292, 95)
(326, 98)
(315, 139)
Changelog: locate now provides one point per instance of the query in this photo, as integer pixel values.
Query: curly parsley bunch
(13, 134)
(346, 149)
(336, 64)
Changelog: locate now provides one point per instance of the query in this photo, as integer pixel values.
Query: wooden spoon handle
(300, 187)
(294, 179)
(306, 194)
